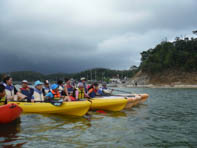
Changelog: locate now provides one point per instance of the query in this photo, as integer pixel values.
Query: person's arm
(49, 96)
(90, 91)
(86, 95)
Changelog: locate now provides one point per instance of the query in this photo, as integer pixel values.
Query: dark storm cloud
(69, 36)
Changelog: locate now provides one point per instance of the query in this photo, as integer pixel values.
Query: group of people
(44, 92)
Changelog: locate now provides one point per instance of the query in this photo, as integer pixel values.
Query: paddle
(53, 102)
(121, 91)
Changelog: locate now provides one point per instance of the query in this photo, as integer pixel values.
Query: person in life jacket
(68, 88)
(53, 93)
(61, 85)
(93, 90)
(27, 91)
(80, 92)
(46, 87)
(104, 90)
(83, 80)
(11, 91)
(3, 99)
(38, 94)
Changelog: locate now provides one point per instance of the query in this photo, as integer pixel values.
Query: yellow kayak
(108, 103)
(75, 108)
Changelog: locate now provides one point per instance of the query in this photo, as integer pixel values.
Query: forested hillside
(98, 74)
(180, 55)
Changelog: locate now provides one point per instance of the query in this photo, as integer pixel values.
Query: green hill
(180, 55)
(97, 74)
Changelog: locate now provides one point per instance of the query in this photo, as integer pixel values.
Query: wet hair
(59, 82)
(6, 78)
(66, 79)
(2, 88)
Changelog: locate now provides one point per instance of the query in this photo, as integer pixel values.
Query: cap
(46, 82)
(38, 83)
(24, 81)
(83, 78)
(54, 86)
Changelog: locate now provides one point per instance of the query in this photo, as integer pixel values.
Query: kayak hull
(134, 99)
(75, 108)
(108, 103)
(9, 113)
(144, 97)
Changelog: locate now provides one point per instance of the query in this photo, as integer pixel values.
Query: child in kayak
(46, 87)
(80, 92)
(3, 99)
(54, 94)
(93, 90)
(61, 85)
(38, 94)
(83, 80)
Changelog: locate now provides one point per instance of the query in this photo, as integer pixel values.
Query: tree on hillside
(180, 54)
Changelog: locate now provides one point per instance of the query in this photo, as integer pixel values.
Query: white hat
(24, 81)
(83, 78)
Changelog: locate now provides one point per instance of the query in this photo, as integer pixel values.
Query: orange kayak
(9, 112)
(134, 99)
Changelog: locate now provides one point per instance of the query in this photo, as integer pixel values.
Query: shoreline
(157, 86)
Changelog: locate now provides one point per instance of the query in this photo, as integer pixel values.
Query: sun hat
(38, 83)
(83, 78)
(24, 81)
(54, 86)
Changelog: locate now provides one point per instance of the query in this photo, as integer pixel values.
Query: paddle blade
(101, 111)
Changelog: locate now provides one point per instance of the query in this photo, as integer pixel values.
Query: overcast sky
(52, 36)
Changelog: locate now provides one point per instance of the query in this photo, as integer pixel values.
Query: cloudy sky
(72, 35)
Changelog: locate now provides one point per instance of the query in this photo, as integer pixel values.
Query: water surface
(167, 120)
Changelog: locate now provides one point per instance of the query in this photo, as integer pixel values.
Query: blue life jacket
(92, 94)
(100, 91)
(10, 88)
(29, 93)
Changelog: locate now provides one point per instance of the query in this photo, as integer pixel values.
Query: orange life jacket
(55, 94)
